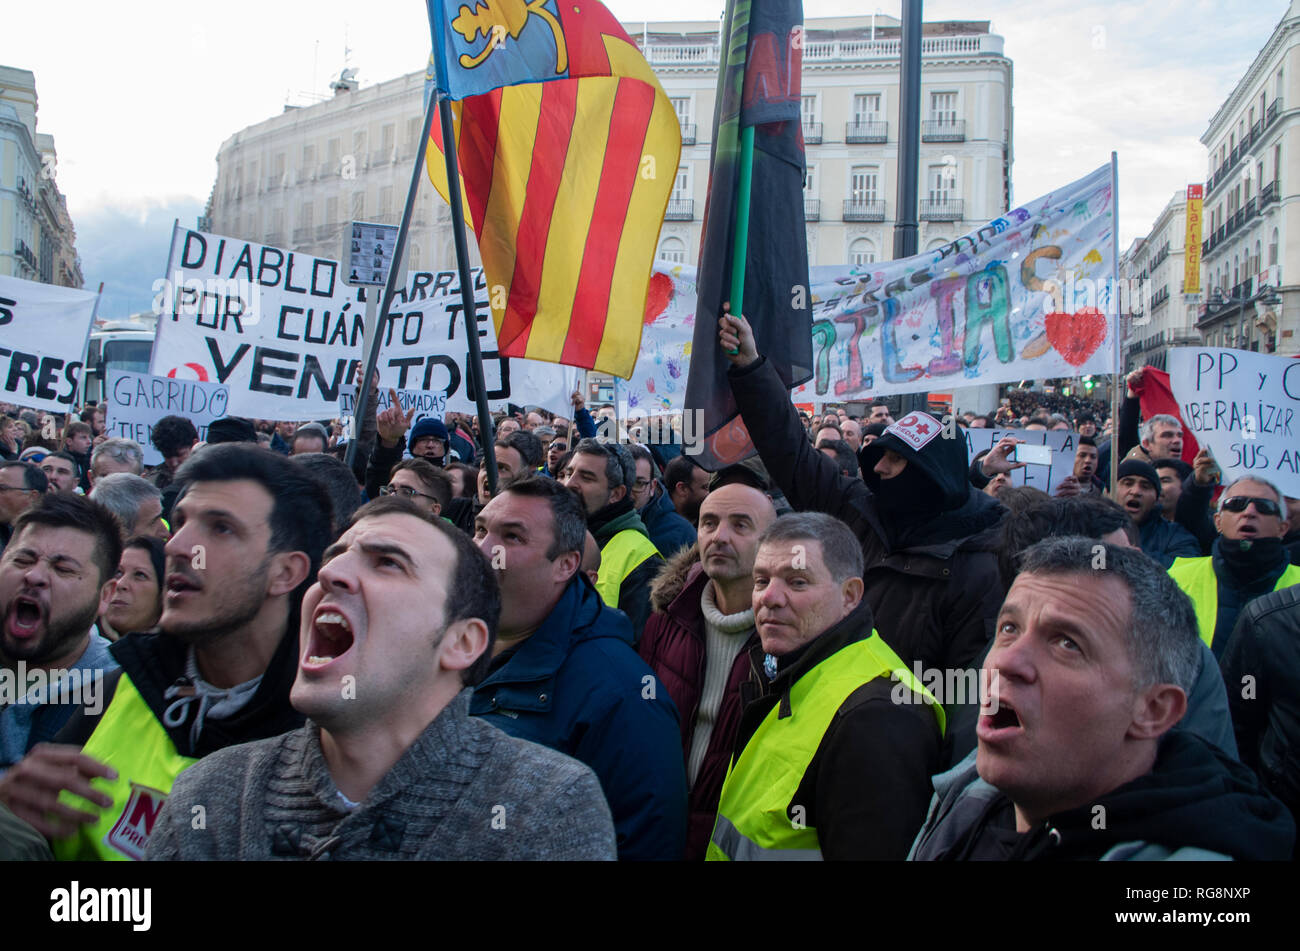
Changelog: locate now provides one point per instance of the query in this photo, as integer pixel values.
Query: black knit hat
(231, 429)
(1144, 470)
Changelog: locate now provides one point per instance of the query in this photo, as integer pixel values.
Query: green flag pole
(741, 232)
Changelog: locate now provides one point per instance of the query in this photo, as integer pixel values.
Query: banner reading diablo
(43, 333)
(1245, 407)
(284, 333)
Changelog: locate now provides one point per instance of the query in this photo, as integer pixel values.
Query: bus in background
(116, 345)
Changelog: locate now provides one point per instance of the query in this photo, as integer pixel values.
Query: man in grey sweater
(390, 765)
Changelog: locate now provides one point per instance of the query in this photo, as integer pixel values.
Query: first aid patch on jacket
(916, 429)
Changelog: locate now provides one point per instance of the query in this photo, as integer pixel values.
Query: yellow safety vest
(1197, 579)
(618, 559)
(753, 821)
(131, 740)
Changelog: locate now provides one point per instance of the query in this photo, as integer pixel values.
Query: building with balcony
(296, 179)
(37, 238)
(1251, 252)
(1163, 316)
(850, 96)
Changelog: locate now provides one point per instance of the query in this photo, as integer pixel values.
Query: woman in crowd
(137, 596)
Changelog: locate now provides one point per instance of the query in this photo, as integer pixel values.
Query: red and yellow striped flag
(565, 183)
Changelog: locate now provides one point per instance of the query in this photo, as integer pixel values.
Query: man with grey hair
(135, 501)
(1246, 560)
(602, 475)
(833, 758)
(116, 455)
(1093, 658)
(1159, 437)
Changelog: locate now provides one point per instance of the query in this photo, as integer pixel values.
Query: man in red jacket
(700, 638)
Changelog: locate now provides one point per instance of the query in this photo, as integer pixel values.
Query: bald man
(701, 642)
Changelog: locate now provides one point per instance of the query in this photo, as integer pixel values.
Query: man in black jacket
(1261, 669)
(1138, 491)
(1094, 659)
(249, 530)
(928, 537)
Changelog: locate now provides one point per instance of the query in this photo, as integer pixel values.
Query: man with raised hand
(390, 765)
(250, 526)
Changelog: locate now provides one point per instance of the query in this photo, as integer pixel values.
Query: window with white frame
(864, 184)
(943, 108)
(682, 106)
(808, 109)
(1272, 248)
(810, 182)
(862, 251)
(866, 108)
(673, 250)
(941, 182)
(682, 184)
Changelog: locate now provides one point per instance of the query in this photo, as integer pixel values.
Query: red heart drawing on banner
(658, 294)
(1076, 337)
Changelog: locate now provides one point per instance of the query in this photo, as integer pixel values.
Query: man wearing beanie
(1138, 491)
(427, 440)
(1246, 561)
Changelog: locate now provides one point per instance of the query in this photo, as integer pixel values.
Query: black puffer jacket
(932, 583)
(1265, 646)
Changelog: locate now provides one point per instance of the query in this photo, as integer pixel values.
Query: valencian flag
(568, 148)
(758, 85)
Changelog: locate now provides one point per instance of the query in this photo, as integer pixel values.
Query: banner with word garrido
(1027, 296)
(43, 334)
(284, 332)
(136, 401)
(1245, 407)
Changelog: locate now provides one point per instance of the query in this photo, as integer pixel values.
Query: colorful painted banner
(1245, 407)
(1027, 296)
(1192, 242)
(43, 333)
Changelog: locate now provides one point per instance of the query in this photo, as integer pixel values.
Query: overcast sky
(140, 94)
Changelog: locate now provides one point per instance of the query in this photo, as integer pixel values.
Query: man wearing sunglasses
(1247, 559)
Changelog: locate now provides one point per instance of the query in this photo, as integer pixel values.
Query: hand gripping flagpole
(477, 383)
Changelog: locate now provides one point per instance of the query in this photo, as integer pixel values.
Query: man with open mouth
(1094, 657)
(1246, 561)
(393, 636)
(56, 577)
(250, 526)
(1138, 491)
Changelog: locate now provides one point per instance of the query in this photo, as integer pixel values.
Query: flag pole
(477, 380)
(741, 249)
(362, 408)
(1117, 334)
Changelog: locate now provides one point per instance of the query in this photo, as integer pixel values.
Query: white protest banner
(285, 333)
(425, 403)
(1047, 478)
(1245, 407)
(135, 401)
(43, 333)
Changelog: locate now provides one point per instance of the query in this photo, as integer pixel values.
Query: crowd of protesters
(856, 644)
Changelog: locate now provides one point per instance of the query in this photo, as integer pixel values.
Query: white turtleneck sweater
(724, 636)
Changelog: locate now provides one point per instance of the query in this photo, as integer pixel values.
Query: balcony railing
(937, 130)
(1272, 113)
(858, 133)
(1251, 208)
(861, 210)
(1268, 194)
(680, 209)
(948, 210)
(812, 209)
(688, 133)
(812, 133)
(705, 55)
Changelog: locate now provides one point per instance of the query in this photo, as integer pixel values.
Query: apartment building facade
(1163, 314)
(37, 237)
(1251, 252)
(296, 179)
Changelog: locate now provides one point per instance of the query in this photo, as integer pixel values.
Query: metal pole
(906, 234)
(477, 379)
(1118, 325)
(390, 289)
